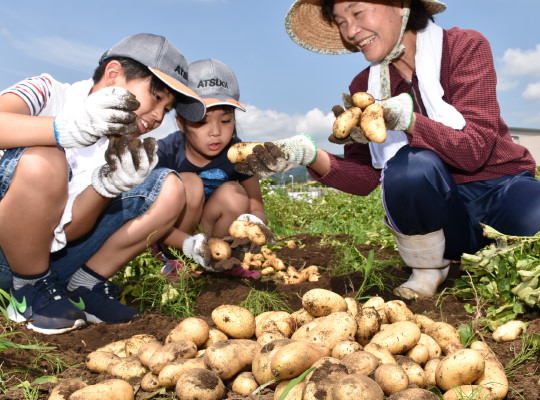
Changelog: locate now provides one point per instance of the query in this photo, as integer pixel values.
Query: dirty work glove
(196, 248)
(398, 112)
(108, 111)
(129, 162)
(279, 156)
(356, 134)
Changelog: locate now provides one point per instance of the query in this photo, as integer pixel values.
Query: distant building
(529, 138)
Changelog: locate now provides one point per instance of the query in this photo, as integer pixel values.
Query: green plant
(530, 347)
(259, 301)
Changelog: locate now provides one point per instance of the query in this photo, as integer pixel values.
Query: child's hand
(107, 112)
(196, 248)
(270, 238)
(129, 162)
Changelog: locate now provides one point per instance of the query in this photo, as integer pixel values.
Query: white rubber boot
(424, 254)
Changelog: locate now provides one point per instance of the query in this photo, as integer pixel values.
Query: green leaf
(294, 382)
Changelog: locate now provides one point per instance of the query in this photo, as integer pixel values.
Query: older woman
(448, 163)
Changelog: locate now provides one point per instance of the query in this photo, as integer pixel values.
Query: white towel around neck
(428, 70)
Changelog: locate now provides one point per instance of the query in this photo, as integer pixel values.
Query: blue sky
(286, 89)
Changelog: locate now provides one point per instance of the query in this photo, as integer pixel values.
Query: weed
(259, 301)
(530, 346)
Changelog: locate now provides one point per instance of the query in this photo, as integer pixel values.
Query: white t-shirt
(46, 97)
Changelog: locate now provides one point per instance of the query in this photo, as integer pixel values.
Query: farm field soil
(74, 346)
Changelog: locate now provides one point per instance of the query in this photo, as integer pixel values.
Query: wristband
(56, 134)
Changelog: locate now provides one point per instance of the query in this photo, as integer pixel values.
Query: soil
(74, 346)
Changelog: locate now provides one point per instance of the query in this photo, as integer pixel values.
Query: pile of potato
(375, 350)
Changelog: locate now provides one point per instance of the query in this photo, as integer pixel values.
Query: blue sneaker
(46, 307)
(100, 304)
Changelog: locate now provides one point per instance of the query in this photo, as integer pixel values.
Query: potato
(133, 344)
(398, 337)
(353, 305)
(170, 373)
(414, 371)
(219, 249)
(378, 303)
(117, 347)
(191, 328)
(146, 351)
(127, 368)
(214, 335)
(228, 357)
(98, 361)
(270, 336)
(414, 394)
(329, 330)
(235, 321)
(171, 352)
(468, 392)
(357, 387)
(302, 317)
(434, 350)
(274, 262)
(419, 353)
(320, 382)
(260, 365)
(296, 393)
(368, 322)
(200, 384)
(443, 334)
(494, 377)
(460, 368)
(429, 370)
(383, 354)
(245, 229)
(322, 302)
(267, 253)
(362, 100)
(423, 321)
(452, 347)
(238, 152)
(397, 310)
(508, 331)
(149, 382)
(294, 358)
(65, 388)
(280, 321)
(345, 348)
(372, 123)
(360, 362)
(391, 378)
(345, 121)
(244, 383)
(111, 389)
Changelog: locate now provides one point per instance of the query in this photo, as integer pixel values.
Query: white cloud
(518, 62)
(532, 92)
(504, 84)
(59, 51)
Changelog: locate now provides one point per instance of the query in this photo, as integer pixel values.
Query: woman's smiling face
(373, 27)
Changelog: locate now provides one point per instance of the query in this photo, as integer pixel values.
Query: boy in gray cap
(78, 186)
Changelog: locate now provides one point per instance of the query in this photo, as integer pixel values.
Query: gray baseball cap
(215, 82)
(167, 63)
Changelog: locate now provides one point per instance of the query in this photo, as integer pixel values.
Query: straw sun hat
(305, 25)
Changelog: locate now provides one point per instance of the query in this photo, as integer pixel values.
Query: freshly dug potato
(200, 384)
(443, 334)
(270, 336)
(238, 152)
(508, 331)
(296, 393)
(274, 262)
(244, 383)
(398, 337)
(452, 347)
(146, 351)
(468, 392)
(434, 350)
(345, 122)
(368, 320)
(267, 253)
(372, 123)
(322, 302)
(429, 370)
(391, 378)
(345, 348)
(419, 353)
(191, 328)
(382, 353)
(133, 344)
(460, 368)
(357, 387)
(328, 331)
(397, 310)
(378, 302)
(214, 335)
(65, 388)
(111, 389)
(423, 321)
(170, 373)
(260, 365)
(149, 382)
(98, 361)
(362, 100)
(494, 377)
(301, 317)
(219, 249)
(413, 370)
(228, 357)
(171, 352)
(353, 305)
(320, 382)
(235, 321)
(361, 362)
(245, 229)
(280, 321)
(127, 368)
(414, 394)
(294, 358)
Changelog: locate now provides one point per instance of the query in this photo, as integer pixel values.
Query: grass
(259, 301)
(530, 347)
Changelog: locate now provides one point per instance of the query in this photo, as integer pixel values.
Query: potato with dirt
(190, 328)
(260, 366)
(229, 357)
(322, 302)
(321, 382)
(280, 321)
(235, 321)
(200, 384)
(398, 337)
(328, 331)
(111, 389)
(170, 373)
(462, 367)
(294, 358)
(372, 123)
(171, 352)
(357, 387)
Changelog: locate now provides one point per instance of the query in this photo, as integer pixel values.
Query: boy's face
(154, 105)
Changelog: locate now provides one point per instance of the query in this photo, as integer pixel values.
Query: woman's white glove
(279, 156)
(196, 248)
(398, 112)
(107, 112)
(129, 162)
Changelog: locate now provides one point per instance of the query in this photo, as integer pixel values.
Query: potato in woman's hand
(372, 123)
(238, 152)
(345, 121)
(362, 100)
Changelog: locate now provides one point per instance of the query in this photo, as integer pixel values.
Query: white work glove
(356, 134)
(279, 156)
(129, 162)
(107, 112)
(196, 248)
(398, 112)
(270, 238)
